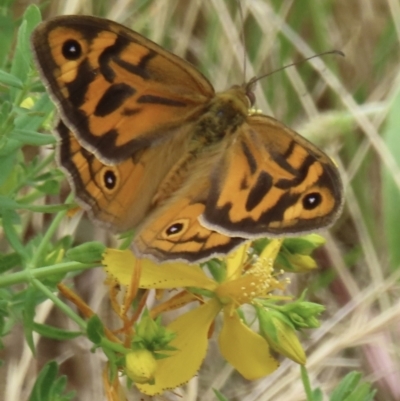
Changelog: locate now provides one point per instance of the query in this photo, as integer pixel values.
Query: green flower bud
(280, 335)
(302, 314)
(152, 335)
(90, 252)
(147, 328)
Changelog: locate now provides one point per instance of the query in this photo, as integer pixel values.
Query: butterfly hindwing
(174, 232)
(121, 195)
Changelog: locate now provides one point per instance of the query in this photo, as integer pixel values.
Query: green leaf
(9, 147)
(9, 261)
(317, 395)
(50, 187)
(10, 80)
(22, 60)
(41, 389)
(28, 137)
(6, 34)
(28, 316)
(7, 164)
(10, 217)
(48, 387)
(5, 110)
(362, 393)
(54, 332)
(95, 329)
(350, 389)
(346, 385)
(7, 205)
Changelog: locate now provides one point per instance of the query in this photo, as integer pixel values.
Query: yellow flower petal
(191, 342)
(246, 350)
(120, 265)
(235, 261)
(172, 275)
(271, 250)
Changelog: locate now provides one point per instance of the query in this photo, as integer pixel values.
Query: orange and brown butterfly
(148, 144)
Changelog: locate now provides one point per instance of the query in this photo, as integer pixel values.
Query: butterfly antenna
(255, 79)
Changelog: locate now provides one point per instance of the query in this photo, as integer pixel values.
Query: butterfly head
(249, 91)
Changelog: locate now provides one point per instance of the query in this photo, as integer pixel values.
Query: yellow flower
(246, 350)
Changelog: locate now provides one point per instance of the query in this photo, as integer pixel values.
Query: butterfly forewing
(118, 91)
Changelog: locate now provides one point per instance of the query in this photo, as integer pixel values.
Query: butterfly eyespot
(110, 179)
(312, 200)
(176, 229)
(72, 49)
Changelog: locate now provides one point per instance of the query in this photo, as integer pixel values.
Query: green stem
(47, 236)
(106, 343)
(306, 383)
(30, 197)
(64, 307)
(42, 272)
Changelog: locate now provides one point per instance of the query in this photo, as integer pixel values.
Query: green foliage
(49, 387)
(95, 330)
(27, 179)
(350, 388)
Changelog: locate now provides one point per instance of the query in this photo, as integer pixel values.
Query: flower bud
(280, 335)
(302, 314)
(89, 252)
(140, 366)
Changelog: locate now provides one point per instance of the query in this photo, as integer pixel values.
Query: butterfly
(148, 144)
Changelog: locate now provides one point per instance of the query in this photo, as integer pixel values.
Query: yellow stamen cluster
(257, 282)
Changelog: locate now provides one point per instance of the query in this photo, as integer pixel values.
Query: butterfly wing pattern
(148, 144)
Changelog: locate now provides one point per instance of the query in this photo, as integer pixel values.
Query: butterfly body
(147, 143)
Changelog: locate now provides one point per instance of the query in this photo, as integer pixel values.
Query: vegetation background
(349, 106)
